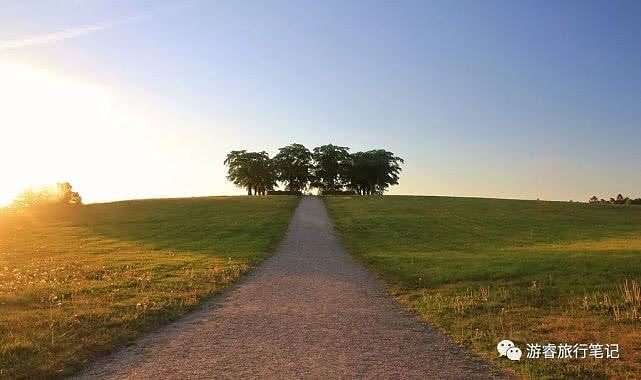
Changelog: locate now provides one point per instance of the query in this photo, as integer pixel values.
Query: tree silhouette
(372, 172)
(292, 165)
(330, 167)
(359, 173)
(238, 169)
(262, 174)
(251, 170)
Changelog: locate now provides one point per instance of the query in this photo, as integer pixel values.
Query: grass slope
(484, 270)
(76, 283)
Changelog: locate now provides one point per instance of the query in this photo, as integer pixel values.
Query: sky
(497, 98)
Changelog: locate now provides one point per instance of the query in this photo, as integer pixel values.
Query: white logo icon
(514, 353)
(507, 348)
(503, 346)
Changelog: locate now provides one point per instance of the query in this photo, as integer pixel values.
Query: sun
(47, 121)
(109, 144)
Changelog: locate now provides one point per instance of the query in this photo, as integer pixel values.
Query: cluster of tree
(619, 200)
(329, 168)
(60, 194)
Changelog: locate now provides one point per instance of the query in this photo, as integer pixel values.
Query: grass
(76, 283)
(484, 270)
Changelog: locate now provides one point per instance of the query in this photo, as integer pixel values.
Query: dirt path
(309, 311)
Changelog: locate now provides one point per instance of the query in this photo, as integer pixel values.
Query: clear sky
(135, 99)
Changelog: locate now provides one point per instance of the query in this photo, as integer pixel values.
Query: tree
(31, 198)
(292, 166)
(238, 169)
(61, 194)
(251, 170)
(372, 172)
(262, 174)
(330, 167)
(359, 173)
(66, 195)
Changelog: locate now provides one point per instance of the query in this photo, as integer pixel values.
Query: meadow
(77, 282)
(484, 270)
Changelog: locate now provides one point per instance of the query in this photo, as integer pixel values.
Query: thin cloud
(42, 39)
(46, 38)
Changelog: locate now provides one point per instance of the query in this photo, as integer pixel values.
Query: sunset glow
(56, 128)
(110, 99)
(49, 124)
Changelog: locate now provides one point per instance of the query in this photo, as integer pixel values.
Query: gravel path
(310, 311)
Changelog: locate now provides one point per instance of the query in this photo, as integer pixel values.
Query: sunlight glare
(56, 128)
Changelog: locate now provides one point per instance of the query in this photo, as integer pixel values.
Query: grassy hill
(77, 282)
(484, 270)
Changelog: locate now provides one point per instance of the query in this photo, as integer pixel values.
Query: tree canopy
(61, 194)
(330, 168)
(293, 165)
(620, 199)
(251, 170)
(372, 172)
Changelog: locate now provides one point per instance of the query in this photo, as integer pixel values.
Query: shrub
(60, 194)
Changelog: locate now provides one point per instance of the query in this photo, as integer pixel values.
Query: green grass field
(484, 270)
(75, 283)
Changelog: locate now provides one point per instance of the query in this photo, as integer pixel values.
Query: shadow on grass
(239, 227)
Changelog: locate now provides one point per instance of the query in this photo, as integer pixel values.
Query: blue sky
(517, 99)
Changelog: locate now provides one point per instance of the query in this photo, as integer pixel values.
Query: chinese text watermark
(508, 349)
